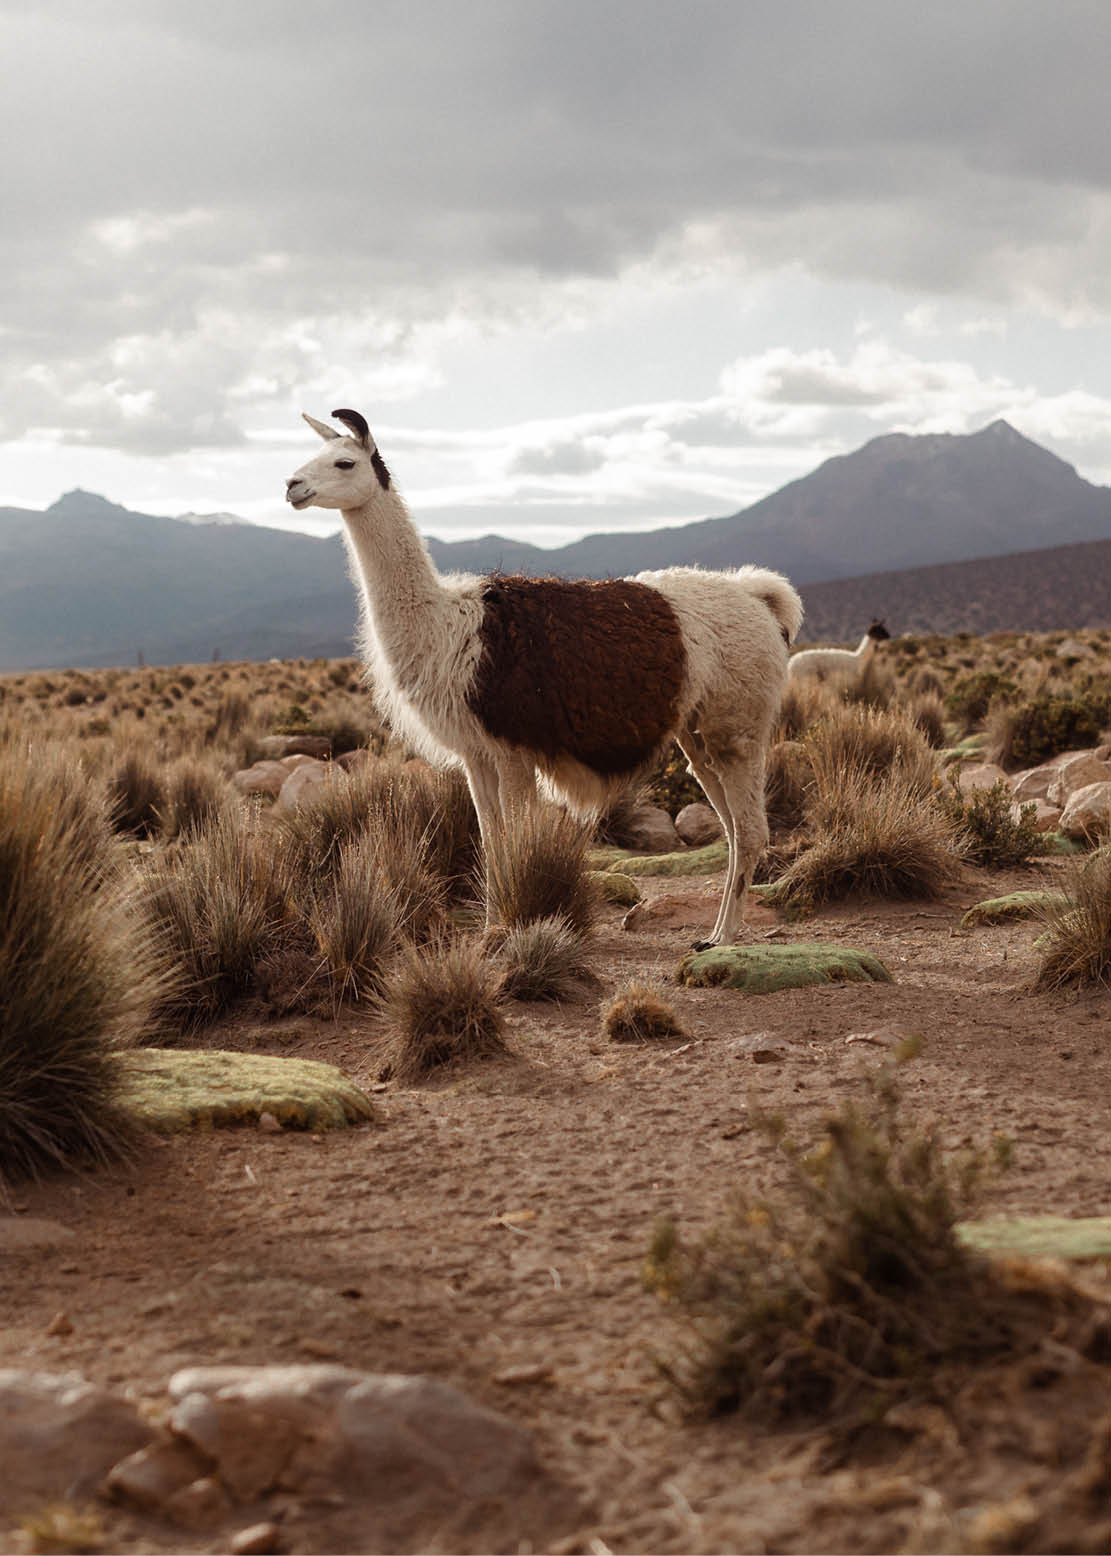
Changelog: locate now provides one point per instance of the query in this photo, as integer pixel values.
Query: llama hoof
(702, 945)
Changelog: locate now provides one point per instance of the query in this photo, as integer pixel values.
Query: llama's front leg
(694, 749)
(482, 781)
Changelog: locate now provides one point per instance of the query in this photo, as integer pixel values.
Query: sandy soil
(500, 1218)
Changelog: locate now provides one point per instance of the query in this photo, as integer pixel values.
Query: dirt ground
(500, 1219)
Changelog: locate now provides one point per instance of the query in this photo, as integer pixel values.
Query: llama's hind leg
(733, 777)
(695, 750)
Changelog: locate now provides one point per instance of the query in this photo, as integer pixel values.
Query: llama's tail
(778, 594)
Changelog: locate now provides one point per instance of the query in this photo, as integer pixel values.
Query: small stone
(31, 1232)
(269, 1124)
(698, 824)
(761, 1048)
(256, 1540)
(60, 1324)
(150, 1477)
(525, 1372)
(200, 1504)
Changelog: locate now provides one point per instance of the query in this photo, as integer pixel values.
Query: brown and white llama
(579, 683)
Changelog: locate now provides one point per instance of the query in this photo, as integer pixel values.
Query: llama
(826, 664)
(577, 684)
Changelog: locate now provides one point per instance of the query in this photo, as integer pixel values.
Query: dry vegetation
(142, 900)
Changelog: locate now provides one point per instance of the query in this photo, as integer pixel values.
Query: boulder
(1088, 811)
(1076, 772)
(277, 746)
(263, 778)
(650, 829)
(305, 784)
(352, 761)
(1046, 817)
(59, 1437)
(984, 775)
(697, 824)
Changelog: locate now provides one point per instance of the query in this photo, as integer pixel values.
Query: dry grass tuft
(537, 868)
(872, 837)
(1076, 945)
(137, 794)
(442, 1006)
(851, 1295)
(787, 782)
(637, 1013)
(78, 974)
(870, 741)
(544, 960)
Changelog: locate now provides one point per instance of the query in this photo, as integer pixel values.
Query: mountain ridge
(88, 581)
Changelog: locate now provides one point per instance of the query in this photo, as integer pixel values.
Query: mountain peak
(82, 504)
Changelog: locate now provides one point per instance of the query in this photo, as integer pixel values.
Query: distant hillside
(91, 583)
(1059, 588)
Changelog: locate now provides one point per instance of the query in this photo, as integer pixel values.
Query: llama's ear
(357, 425)
(319, 426)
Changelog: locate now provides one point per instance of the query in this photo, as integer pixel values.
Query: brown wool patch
(593, 671)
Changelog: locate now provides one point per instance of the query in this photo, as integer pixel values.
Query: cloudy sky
(583, 264)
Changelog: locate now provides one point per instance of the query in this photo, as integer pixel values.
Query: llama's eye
(345, 464)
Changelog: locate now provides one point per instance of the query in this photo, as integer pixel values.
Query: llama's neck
(407, 610)
(866, 648)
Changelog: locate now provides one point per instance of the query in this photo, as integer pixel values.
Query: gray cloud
(212, 190)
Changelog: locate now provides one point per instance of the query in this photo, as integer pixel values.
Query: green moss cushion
(762, 969)
(689, 861)
(1016, 904)
(616, 887)
(170, 1089)
(1041, 1237)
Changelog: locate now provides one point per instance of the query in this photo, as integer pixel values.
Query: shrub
(195, 794)
(972, 695)
(223, 905)
(78, 975)
(845, 1298)
(1076, 945)
(356, 919)
(442, 1006)
(873, 837)
(543, 960)
(869, 741)
(536, 868)
(672, 785)
(803, 704)
(926, 712)
(787, 782)
(637, 1013)
(1029, 733)
(991, 835)
(137, 795)
(874, 687)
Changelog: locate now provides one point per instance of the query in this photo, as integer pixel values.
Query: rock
(984, 775)
(256, 1540)
(59, 1437)
(690, 910)
(304, 784)
(889, 1036)
(1033, 783)
(763, 969)
(1046, 817)
(276, 746)
(697, 824)
(151, 1476)
(613, 887)
(316, 1429)
(760, 1047)
(1076, 772)
(650, 829)
(1088, 811)
(19, 1232)
(298, 759)
(355, 761)
(262, 778)
(1073, 648)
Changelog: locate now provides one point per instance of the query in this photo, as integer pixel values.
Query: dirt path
(501, 1219)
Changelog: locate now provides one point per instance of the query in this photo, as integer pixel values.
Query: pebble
(256, 1540)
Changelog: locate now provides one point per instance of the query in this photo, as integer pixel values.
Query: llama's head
(878, 632)
(347, 474)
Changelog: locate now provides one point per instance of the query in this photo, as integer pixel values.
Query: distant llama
(581, 684)
(827, 664)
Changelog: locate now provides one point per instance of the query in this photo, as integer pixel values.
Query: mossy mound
(169, 1090)
(1016, 904)
(616, 887)
(1040, 1237)
(763, 969)
(689, 861)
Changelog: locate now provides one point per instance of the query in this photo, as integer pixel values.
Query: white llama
(581, 683)
(826, 664)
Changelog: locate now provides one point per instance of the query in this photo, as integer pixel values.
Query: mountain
(90, 583)
(897, 502)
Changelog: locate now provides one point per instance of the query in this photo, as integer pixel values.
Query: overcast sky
(583, 264)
